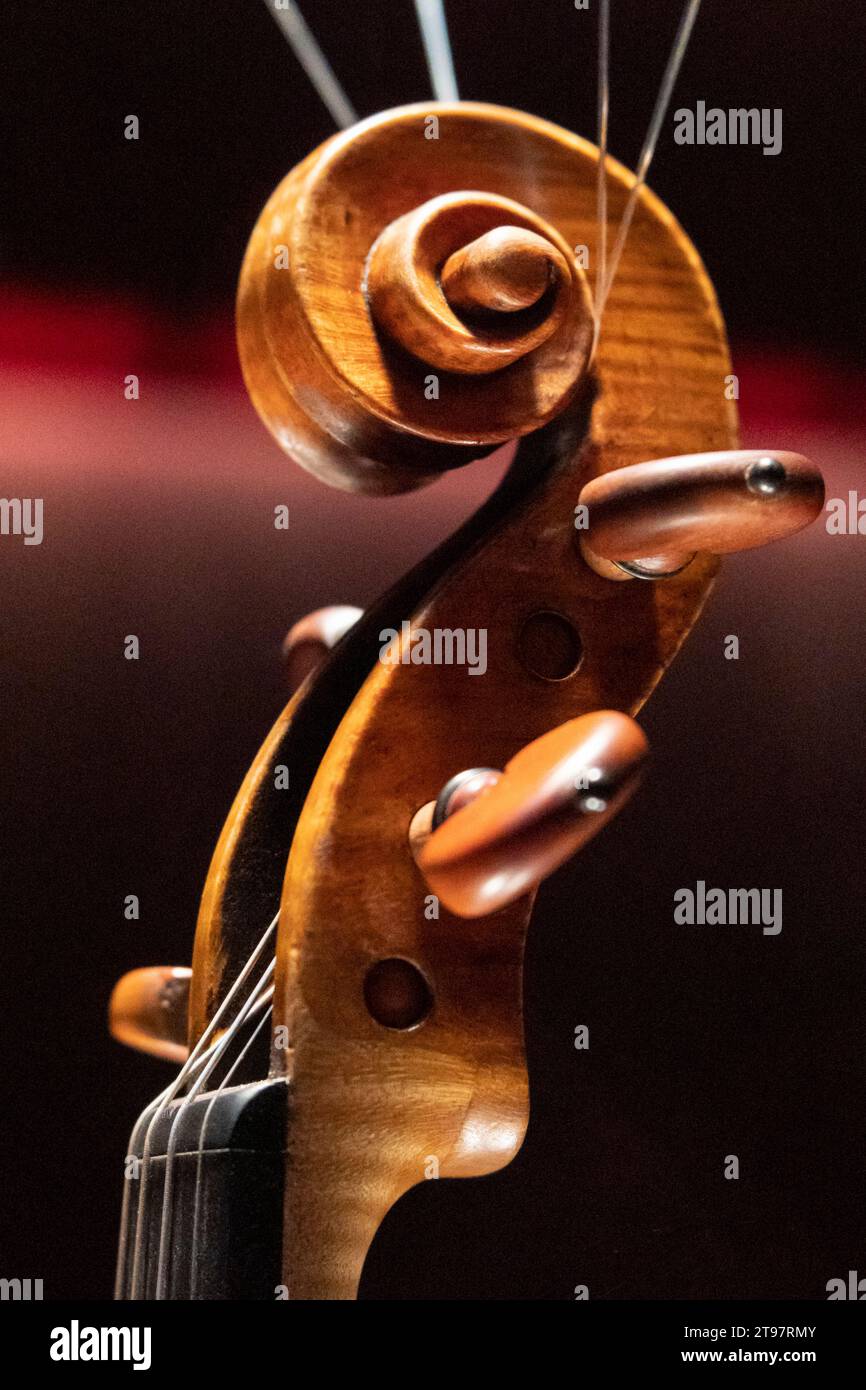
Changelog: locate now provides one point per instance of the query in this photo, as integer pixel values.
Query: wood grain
(413, 272)
(503, 271)
(347, 400)
(376, 1110)
(716, 502)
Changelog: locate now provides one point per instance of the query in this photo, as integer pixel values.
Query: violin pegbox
(406, 304)
(456, 258)
(397, 317)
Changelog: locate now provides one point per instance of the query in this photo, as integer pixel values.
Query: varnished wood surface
(348, 403)
(413, 272)
(503, 271)
(715, 502)
(148, 1010)
(513, 835)
(309, 640)
(372, 1107)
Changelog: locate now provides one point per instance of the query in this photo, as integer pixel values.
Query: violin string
(680, 44)
(255, 1000)
(313, 61)
(223, 1085)
(433, 24)
(134, 1139)
(260, 995)
(601, 185)
(163, 1261)
(152, 1112)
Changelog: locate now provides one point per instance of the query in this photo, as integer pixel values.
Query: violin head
(414, 293)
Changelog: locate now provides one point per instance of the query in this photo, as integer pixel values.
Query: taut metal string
(224, 1084)
(433, 24)
(163, 1262)
(134, 1139)
(151, 1114)
(683, 34)
(313, 60)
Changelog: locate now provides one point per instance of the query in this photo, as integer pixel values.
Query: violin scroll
(450, 320)
(503, 271)
(391, 327)
(472, 283)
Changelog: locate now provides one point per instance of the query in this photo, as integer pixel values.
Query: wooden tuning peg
(491, 837)
(308, 642)
(148, 1010)
(648, 520)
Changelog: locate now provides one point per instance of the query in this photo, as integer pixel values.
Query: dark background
(120, 257)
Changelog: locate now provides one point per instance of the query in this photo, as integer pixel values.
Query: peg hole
(397, 994)
(550, 646)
